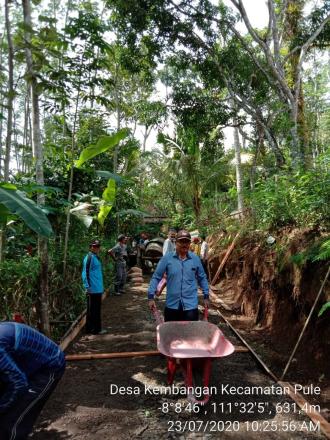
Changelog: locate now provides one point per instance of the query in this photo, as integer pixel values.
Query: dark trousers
(17, 423)
(93, 316)
(204, 264)
(120, 278)
(180, 314)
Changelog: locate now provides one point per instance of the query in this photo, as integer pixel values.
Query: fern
(323, 252)
(299, 259)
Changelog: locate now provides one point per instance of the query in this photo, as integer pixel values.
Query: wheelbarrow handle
(206, 313)
(157, 315)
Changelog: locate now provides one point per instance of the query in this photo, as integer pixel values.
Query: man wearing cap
(119, 254)
(93, 282)
(184, 272)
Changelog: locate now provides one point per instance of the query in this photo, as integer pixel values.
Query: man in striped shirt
(30, 367)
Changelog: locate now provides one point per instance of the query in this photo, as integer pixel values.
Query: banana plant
(104, 144)
(15, 202)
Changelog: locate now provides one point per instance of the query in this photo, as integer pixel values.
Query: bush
(302, 199)
(19, 287)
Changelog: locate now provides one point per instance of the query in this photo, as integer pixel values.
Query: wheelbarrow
(194, 343)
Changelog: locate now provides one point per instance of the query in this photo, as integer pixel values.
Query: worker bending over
(30, 367)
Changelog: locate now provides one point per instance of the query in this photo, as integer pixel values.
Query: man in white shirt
(169, 243)
(204, 254)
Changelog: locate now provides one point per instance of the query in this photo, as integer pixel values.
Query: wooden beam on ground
(129, 354)
(73, 331)
(76, 327)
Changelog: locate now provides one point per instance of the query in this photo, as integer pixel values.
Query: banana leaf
(32, 215)
(103, 144)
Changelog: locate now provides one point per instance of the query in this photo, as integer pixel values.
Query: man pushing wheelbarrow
(178, 338)
(183, 270)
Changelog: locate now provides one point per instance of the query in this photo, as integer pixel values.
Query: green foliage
(17, 203)
(323, 251)
(18, 287)
(325, 307)
(103, 145)
(319, 251)
(108, 197)
(301, 199)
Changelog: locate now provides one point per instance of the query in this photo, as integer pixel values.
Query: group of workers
(31, 364)
(182, 267)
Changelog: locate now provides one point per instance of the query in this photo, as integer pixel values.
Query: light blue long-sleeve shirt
(92, 274)
(183, 278)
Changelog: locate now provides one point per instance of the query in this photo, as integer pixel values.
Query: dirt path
(83, 407)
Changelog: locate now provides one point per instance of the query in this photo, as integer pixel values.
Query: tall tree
(238, 166)
(10, 91)
(38, 156)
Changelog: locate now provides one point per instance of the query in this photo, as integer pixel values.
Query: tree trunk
(9, 116)
(38, 157)
(68, 215)
(1, 130)
(10, 92)
(1, 105)
(300, 133)
(73, 148)
(239, 176)
(117, 99)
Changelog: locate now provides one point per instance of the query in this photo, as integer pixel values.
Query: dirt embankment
(269, 290)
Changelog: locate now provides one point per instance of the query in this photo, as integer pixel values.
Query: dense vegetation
(85, 89)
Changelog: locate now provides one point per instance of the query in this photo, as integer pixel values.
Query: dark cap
(121, 237)
(183, 235)
(95, 243)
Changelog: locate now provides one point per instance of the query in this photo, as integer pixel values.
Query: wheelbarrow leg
(171, 369)
(189, 380)
(207, 372)
(189, 374)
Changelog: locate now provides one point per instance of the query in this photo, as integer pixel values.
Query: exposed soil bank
(267, 292)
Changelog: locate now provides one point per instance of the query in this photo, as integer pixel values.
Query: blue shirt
(92, 274)
(23, 351)
(182, 279)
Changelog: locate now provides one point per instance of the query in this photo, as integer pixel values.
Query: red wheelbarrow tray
(192, 339)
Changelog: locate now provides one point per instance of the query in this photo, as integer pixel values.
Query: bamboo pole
(129, 354)
(225, 258)
(306, 323)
